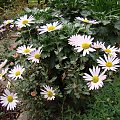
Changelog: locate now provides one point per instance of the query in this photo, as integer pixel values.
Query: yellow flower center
(85, 45)
(107, 51)
(86, 21)
(37, 56)
(51, 28)
(49, 93)
(109, 64)
(9, 98)
(26, 50)
(95, 79)
(25, 22)
(17, 73)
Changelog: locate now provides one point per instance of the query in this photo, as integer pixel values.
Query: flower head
(85, 20)
(35, 55)
(95, 80)
(7, 22)
(50, 27)
(81, 43)
(109, 49)
(9, 100)
(109, 62)
(24, 21)
(48, 93)
(25, 49)
(16, 72)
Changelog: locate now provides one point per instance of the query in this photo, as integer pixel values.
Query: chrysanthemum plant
(60, 64)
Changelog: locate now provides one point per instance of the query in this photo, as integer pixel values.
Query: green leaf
(117, 25)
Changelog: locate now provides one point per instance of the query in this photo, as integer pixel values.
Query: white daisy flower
(97, 45)
(95, 80)
(6, 22)
(35, 55)
(2, 73)
(81, 43)
(110, 63)
(25, 49)
(24, 21)
(16, 72)
(48, 93)
(109, 49)
(9, 100)
(85, 20)
(3, 64)
(50, 27)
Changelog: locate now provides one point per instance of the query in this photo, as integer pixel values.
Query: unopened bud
(33, 93)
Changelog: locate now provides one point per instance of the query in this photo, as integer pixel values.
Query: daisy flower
(109, 62)
(6, 22)
(48, 93)
(2, 73)
(35, 55)
(16, 72)
(97, 45)
(25, 49)
(81, 43)
(109, 49)
(9, 100)
(85, 20)
(24, 21)
(95, 80)
(50, 27)
(3, 64)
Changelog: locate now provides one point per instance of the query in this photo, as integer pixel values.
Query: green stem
(62, 108)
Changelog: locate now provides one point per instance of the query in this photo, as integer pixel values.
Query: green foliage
(106, 103)
(4, 2)
(109, 7)
(105, 11)
(100, 9)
